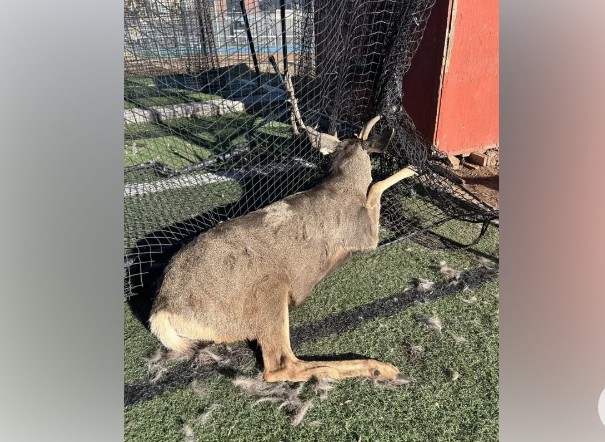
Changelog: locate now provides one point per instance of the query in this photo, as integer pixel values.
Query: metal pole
(284, 43)
(250, 41)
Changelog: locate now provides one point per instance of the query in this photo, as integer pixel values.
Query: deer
(238, 280)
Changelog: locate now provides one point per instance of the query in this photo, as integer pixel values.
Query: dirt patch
(483, 181)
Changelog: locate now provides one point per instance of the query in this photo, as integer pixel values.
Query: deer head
(350, 157)
(328, 144)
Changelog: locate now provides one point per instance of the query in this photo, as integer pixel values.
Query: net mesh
(208, 133)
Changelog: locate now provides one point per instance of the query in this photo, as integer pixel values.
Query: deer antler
(365, 133)
(325, 143)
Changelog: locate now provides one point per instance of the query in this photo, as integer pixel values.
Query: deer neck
(342, 182)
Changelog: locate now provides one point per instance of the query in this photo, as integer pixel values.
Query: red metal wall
(451, 89)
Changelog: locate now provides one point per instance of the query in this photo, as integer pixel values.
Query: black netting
(208, 132)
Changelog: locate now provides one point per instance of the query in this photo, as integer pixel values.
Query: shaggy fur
(189, 435)
(414, 352)
(459, 339)
(300, 414)
(323, 386)
(154, 367)
(197, 389)
(206, 356)
(432, 322)
(258, 387)
(203, 417)
(487, 263)
(453, 375)
(449, 272)
(288, 397)
(424, 285)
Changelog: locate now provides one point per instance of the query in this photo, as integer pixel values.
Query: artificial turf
(433, 407)
(142, 91)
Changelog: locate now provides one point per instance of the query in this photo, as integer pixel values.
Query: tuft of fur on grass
(323, 386)
(258, 387)
(197, 389)
(315, 424)
(300, 414)
(153, 362)
(156, 357)
(159, 374)
(280, 392)
(432, 322)
(458, 339)
(206, 356)
(453, 375)
(449, 272)
(414, 352)
(203, 418)
(292, 401)
(400, 380)
(385, 384)
(424, 285)
(470, 300)
(189, 435)
(154, 367)
(268, 399)
(487, 263)
(170, 355)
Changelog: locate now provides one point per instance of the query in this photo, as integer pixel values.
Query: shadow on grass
(429, 211)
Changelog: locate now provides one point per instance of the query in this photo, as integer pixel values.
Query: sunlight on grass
(172, 151)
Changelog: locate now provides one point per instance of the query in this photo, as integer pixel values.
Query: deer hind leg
(301, 371)
(280, 363)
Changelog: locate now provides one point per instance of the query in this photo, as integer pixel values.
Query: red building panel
(451, 90)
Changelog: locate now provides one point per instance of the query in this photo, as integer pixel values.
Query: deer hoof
(382, 370)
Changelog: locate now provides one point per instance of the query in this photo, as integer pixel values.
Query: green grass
(433, 407)
(172, 151)
(146, 213)
(182, 142)
(141, 91)
(166, 97)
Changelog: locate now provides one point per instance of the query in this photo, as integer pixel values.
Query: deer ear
(325, 143)
(379, 143)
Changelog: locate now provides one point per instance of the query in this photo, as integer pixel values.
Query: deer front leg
(280, 363)
(376, 190)
(374, 195)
